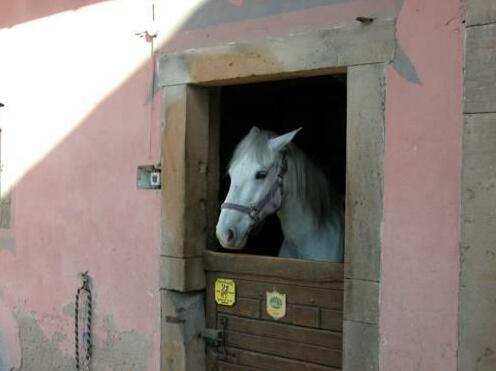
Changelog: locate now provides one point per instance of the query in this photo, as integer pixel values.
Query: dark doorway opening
(317, 104)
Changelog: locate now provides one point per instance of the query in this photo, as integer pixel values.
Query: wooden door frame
(189, 186)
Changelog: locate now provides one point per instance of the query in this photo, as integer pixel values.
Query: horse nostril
(230, 235)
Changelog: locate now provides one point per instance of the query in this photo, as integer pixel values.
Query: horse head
(257, 172)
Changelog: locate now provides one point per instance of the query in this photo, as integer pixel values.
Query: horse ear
(279, 143)
(254, 130)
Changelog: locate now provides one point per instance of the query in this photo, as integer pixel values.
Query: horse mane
(305, 179)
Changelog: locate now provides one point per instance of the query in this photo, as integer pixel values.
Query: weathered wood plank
(364, 172)
(291, 269)
(337, 285)
(270, 362)
(184, 167)
(213, 169)
(479, 12)
(210, 305)
(284, 348)
(480, 69)
(243, 307)
(327, 339)
(318, 51)
(330, 299)
(331, 320)
(299, 315)
(173, 170)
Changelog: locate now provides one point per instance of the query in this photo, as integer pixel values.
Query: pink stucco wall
(76, 124)
(420, 263)
(78, 121)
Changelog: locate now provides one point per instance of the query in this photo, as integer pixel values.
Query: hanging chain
(86, 336)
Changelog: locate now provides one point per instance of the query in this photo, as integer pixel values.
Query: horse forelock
(304, 179)
(253, 148)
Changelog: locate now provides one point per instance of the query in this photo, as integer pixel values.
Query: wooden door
(307, 337)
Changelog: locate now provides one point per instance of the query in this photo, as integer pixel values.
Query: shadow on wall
(212, 12)
(215, 12)
(202, 27)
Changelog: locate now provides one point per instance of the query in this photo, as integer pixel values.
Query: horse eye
(261, 174)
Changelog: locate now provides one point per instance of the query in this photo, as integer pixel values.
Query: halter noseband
(254, 211)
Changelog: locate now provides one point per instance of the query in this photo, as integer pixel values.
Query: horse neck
(297, 221)
(297, 217)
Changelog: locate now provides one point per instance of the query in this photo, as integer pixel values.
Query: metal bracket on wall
(149, 177)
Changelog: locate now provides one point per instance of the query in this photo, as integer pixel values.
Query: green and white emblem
(276, 304)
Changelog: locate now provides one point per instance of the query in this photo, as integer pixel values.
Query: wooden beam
(293, 269)
(301, 54)
(364, 172)
(184, 171)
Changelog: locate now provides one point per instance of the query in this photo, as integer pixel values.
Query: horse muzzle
(231, 239)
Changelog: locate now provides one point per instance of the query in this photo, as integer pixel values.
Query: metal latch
(216, 338)
(213, 337)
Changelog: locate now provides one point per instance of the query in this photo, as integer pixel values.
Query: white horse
(270, 175)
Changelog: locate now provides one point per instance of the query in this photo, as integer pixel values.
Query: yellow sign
(276, 304)
(225, 291)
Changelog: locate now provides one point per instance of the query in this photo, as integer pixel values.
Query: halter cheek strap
(251, 211)
(270, 199)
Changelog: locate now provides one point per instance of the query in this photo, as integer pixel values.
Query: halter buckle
(253, 213)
